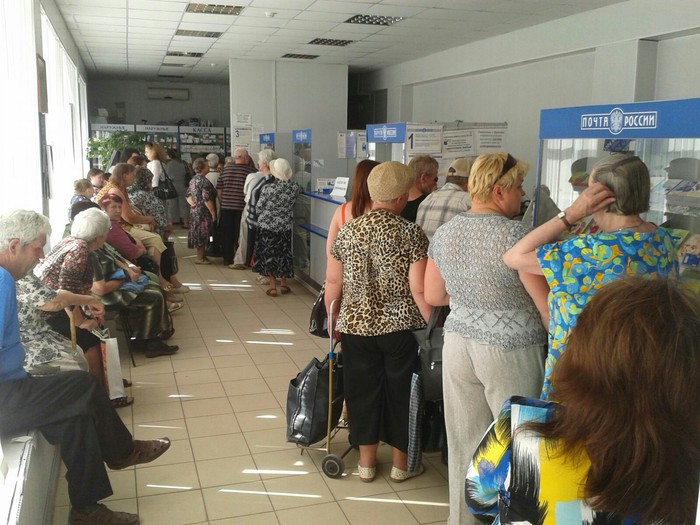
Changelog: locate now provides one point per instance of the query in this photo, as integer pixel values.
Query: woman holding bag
(494, 338)
(376, 266)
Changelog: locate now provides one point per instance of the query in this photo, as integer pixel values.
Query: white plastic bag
(112, 367)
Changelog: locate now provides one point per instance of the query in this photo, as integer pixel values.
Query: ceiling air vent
(304, 57)
(330, 42)
(156, 93)
(374, 20)
(205, 34)
(187, 54)
(215, 9)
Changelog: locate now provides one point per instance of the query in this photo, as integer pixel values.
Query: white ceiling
(130, 38)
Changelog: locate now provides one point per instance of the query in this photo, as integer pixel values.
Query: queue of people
(518, 299)
(569, 367)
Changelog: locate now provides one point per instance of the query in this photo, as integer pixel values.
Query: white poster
(491, 140)
(241, 138)
(242, 120)
(361, 145)
(423, 138)
(459, 142)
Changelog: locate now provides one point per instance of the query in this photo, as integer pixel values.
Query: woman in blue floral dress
(273, 242)
(576, 268)
(201, 196)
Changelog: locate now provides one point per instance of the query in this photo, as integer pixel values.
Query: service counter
(312, 216)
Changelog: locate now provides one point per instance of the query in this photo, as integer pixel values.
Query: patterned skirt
(273, 253)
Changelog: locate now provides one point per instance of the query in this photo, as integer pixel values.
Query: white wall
(597, 56)
(282, 96)
(514, 95)
(677, 71)
(207, 101)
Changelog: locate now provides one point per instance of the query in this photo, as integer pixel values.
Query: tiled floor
(222, 398)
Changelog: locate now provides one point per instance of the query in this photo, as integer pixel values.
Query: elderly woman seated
(81, 264)
(49, 352)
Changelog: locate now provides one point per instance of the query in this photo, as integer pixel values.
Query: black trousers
(230, 224)
(72, 410)
(61, 324)
(377, 373)
(250, 248)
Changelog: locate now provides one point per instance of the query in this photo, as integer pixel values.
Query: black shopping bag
(307, 401)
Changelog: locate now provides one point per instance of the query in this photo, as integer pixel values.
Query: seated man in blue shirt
(70, 409)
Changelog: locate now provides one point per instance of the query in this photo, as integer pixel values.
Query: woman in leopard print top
(376, 266)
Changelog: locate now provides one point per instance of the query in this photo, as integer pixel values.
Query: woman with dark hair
(201, 196)
(577, 268)
(127, 153)
(621, 442)
(359, 203)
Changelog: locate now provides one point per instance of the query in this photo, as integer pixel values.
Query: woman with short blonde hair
(494, 338)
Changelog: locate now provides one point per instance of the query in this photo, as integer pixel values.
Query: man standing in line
(425, 170)
(241, 261)
(232, 199)
(450, 200)
(71, 409)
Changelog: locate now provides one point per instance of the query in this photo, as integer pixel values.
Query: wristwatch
(562, 216)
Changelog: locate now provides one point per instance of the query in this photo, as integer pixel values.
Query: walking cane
(73, 336)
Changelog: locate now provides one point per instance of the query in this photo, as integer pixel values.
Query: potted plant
(101, 148)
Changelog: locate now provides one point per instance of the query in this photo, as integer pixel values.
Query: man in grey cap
(450, 200)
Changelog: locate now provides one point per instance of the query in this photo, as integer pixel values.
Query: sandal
(285, 289)
(271, 292)
(122, 402)
(144, 452)
(202, 261)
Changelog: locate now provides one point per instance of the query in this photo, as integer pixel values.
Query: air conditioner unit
(155, 93)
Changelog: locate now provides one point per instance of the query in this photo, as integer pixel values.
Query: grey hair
(266, 156)
(90, 224)
(628, 178)
(25, 225)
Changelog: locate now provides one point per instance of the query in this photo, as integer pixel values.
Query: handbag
(166, 188)
(318, 322)
(307, 401)
(430, 340)
(112, 367)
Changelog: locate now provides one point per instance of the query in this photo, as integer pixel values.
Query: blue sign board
(267, 138)
(390, 132)
(301, 135)
(664, 119)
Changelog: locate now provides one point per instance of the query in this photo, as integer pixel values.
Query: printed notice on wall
(242, 120)
(361, 144)
(423, 138)
(346, 145)
(459, 142)
(242, 138)
(491, 140)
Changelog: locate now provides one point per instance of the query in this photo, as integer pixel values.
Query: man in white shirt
(450, 200)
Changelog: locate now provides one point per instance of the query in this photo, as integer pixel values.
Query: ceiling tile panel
(157, 5)
(351, 8)
(282, 4)
(145, 14)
